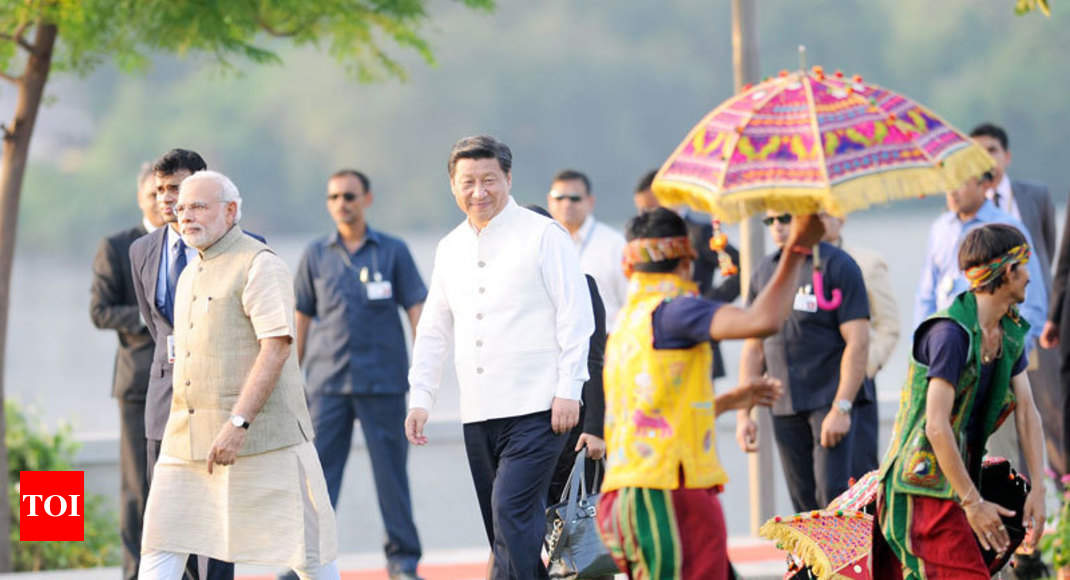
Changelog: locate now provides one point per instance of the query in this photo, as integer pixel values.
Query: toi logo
(52, 506)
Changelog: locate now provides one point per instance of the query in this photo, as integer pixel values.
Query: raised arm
(772, 306)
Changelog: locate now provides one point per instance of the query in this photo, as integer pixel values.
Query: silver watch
(239, 421)
(844, 406)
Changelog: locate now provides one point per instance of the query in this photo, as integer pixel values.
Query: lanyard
(363, 272)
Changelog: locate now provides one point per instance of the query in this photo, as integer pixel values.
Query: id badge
(379, 290)
(805, 303)
(171, 348)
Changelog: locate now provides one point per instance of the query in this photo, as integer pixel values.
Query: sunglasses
(348, 196)
(783, 218)
(573, 197)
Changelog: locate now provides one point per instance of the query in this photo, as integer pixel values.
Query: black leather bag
(572, 539)
(1001, 484)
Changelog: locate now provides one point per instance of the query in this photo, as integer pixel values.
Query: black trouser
(196, 566)
(815, 475)
(133, 482)
(512, 460)
(382, 420)
(864, 455)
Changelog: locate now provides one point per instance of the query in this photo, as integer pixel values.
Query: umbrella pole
(762, 476)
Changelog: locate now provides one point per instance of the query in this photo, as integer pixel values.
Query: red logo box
(52, 506)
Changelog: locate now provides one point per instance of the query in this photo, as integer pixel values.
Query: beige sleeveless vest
(215, 347)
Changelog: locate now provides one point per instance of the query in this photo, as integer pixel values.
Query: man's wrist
(842, 405)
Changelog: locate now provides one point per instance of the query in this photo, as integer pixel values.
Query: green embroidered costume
(910, 466)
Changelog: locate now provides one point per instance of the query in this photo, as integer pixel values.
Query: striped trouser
(924, 538)
(657, 534)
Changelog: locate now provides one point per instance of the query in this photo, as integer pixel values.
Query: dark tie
(178, 263)
(995, 198)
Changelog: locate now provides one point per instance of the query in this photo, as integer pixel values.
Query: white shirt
(601, 249)
(513, 304)
(1006, 196)
(149, 228)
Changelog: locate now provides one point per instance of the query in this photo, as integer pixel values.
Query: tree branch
(274, 31)
(18, 38)
(9, 78)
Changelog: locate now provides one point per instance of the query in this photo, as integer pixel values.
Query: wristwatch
(844, 406)
(239, 421)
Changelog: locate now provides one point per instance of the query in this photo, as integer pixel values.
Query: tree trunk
(31, 88)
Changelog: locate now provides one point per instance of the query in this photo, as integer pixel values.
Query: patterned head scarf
(647, 250)
(984, 273)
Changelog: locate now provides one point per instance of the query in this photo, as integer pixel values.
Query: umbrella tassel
(718, 243)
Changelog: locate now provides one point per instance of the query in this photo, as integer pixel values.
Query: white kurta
(268, 509)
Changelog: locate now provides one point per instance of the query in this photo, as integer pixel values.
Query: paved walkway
(754, 559)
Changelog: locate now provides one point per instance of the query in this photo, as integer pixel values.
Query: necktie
(178, 263)
(995, 198)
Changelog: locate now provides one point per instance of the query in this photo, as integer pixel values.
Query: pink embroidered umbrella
(806, 141)
(834, 544)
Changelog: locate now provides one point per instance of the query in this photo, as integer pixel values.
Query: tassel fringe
(852, 195)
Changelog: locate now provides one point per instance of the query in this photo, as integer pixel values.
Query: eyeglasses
(348, 196)
(573, 197)
(195, 207)
(782, 218)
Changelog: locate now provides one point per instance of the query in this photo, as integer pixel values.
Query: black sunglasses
(574, 197)
(782, 218)
(348, 196)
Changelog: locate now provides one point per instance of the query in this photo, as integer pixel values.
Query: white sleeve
(561, 273)
(434, 335)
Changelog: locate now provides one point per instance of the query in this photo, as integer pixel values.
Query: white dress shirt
(1007, 202)
(601, 249)
(513, 304)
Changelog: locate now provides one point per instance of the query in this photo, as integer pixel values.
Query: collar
(495, 221)
(222, 244)
(149, 228)
(172, 237)
(986, 213)
(370, 235)
(585, 229)
(1004, 187)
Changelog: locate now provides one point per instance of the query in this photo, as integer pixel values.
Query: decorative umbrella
(834, 544)
(806, 141)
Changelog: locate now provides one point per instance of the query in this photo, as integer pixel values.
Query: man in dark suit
(705, 267)
(156, 261)
(113, 306)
